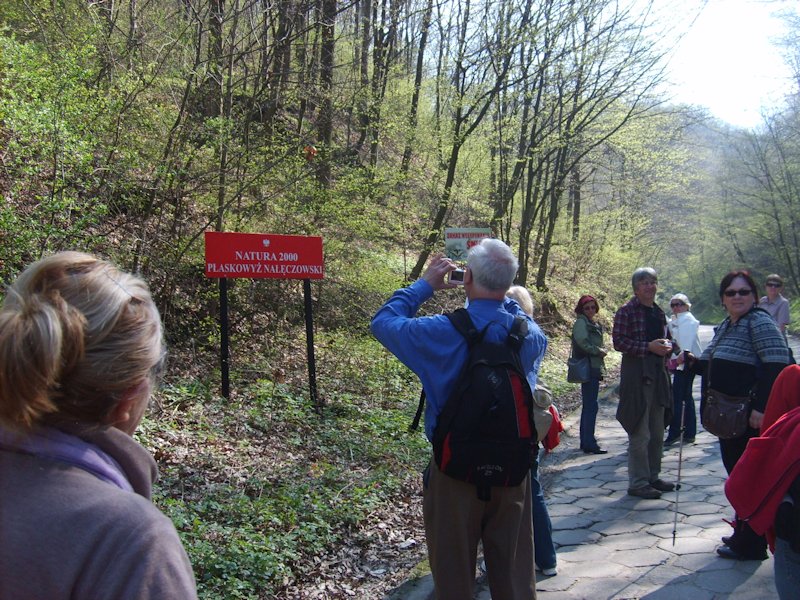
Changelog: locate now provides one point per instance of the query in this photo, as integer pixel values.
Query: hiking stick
(680, 462)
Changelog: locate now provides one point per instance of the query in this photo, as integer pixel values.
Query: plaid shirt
(630, 328)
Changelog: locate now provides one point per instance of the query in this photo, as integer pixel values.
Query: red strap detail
(446, 453)
(523, 417)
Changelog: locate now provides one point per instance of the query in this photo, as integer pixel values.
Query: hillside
(129, 130)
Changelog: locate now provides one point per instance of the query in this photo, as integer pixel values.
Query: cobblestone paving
(612, 546)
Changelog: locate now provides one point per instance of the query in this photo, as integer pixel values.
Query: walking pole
(680, 461)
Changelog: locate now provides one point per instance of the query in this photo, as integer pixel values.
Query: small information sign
(458, 241)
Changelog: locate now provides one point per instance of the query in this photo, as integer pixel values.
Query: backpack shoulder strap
(463, 324)
(519, 331)
(418, 415)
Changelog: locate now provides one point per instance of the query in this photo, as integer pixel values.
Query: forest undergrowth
(274, 499)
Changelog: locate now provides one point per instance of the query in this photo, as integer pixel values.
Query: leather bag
(725, 416)
(579, 370)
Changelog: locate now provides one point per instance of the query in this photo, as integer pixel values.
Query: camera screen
(457, 276)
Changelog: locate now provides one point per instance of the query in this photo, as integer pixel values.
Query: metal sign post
(312, 365)
(224, 327)
(264, 255)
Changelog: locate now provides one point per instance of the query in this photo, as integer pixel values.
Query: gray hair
(641, 274)
(493, 265)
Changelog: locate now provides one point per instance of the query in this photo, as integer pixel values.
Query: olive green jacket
(643, 380)
(587, 340)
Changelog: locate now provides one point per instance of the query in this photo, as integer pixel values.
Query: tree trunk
(325, 123)
(412, 113)
(363, 94)
(441, 213)
(575, 200)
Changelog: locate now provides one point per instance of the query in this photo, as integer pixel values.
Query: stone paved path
(612, 546)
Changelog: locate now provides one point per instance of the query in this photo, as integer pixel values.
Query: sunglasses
(741, 292)
(590, 307)
(773, 284)
(675, 304)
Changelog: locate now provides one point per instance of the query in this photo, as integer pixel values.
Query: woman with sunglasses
(684, 329)
(744, 358)
(587, 340)
(81, 349)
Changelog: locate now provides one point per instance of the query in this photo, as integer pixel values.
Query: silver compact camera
(456, 276)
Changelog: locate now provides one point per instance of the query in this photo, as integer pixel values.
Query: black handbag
(579, 370)
(725, 416)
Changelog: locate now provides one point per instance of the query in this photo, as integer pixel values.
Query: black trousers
(732, 450)
(745, 541)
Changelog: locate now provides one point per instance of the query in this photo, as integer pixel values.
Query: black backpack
(485, 434)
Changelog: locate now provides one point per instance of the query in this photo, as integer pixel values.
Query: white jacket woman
(684, 329)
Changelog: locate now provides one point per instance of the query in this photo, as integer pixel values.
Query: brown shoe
(647, 492)
(662, 486)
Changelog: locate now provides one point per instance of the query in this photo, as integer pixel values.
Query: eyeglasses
(773, 284)
(741, 292)
(676, 304)
(590, 307)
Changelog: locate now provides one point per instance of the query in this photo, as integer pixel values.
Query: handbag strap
(574, 350)
(752, 345)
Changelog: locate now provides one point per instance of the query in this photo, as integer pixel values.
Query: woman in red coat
(764, 487)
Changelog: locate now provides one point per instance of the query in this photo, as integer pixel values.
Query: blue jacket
(433, 349)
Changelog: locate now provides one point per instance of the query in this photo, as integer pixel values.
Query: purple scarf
(52, 444)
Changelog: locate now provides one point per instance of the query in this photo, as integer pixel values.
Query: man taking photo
(456, 518)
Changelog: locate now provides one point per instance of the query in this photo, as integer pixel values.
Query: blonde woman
(80, 351)
(543, 548)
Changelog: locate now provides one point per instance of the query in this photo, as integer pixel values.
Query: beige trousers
(455, 520)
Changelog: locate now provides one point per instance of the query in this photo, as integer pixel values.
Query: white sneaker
(549, 572)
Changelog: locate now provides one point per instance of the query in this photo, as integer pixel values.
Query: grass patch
(260, 486)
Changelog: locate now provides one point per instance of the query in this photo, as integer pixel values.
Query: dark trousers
(745, 541)
(683, 406)
(589, 407)
(543, 548)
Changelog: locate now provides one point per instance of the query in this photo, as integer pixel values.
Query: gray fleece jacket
(67, 534)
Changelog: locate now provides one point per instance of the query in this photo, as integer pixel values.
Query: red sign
(257, 255)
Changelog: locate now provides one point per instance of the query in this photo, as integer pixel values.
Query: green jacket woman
(587, 340)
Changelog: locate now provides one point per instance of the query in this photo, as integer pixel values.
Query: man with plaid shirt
(645, 399)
